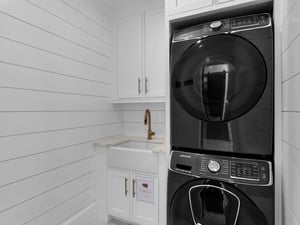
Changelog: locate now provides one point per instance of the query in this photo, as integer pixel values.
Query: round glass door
(219, 78)
(209, 202)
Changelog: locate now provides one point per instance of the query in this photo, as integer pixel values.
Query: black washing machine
(222, 87)
(217, 190)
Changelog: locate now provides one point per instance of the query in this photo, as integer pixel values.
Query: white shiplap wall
(291, 112)
(131, 117)
(55, 82)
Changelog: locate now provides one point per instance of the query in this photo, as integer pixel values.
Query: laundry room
(149, 112)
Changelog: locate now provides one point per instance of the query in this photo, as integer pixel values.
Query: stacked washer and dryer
(222, 85)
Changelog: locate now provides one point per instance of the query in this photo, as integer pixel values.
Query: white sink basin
(135, 155)
(141, 145)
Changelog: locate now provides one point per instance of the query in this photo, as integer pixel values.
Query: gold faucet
(147, 120)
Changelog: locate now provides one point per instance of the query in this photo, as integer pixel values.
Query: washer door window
(213, 205)
(208, 202)
(219, 78)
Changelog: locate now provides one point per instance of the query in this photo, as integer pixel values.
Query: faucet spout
(147, 121)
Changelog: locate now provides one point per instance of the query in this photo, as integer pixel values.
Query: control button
(214, 166)
(263, 18)
(263, 168)
(216, 25)
(264, 176)
(255, 175)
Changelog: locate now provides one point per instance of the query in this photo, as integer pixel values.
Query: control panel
(222, 26)
(244, 170)
(230, 169)
(249, 21)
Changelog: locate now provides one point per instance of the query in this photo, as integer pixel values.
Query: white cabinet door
(180, 6)
(145, 200)
(130, 57)
(141, 56)
(183, 8)
(119, 193)
(155, 57)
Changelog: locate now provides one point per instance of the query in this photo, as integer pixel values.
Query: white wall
(55, 83)
(131, 117)
(291, 111)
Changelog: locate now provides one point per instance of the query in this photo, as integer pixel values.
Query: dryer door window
(206, 202)
(219, 78)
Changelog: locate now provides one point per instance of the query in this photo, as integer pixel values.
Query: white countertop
(108, 142)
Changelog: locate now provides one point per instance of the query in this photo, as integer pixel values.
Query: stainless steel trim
(244, 178)
(213, 186)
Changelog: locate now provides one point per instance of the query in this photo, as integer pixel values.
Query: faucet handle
(150, 134)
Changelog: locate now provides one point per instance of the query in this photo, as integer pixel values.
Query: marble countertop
(111, 141)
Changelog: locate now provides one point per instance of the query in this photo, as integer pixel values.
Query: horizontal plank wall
(55, 91)
(131, 117)
(291, 112)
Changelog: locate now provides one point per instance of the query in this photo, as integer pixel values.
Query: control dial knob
(216, 25)
(214, 166)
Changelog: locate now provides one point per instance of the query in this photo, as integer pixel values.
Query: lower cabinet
(118, 193)
(133, 196)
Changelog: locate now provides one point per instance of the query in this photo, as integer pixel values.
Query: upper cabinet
(180, 6)
(155, 60)
(178, 9)
(130, 57)
(141, 60)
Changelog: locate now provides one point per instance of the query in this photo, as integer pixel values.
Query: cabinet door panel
(145, 201)
(129, 56)
(118, 193)
(155, 57)
(179, 6)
